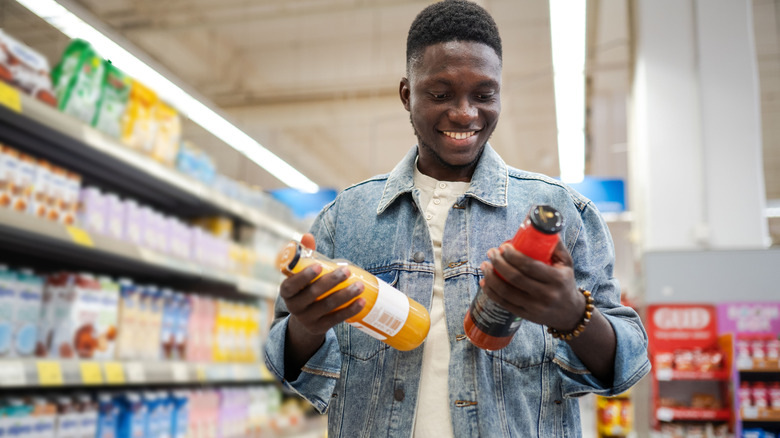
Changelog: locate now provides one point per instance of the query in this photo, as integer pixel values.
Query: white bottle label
(390, 310)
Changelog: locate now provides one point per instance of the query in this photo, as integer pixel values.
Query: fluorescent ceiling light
(190, 107)
(567, 31)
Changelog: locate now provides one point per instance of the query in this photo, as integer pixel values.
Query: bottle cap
(288, 257)
(546, 219)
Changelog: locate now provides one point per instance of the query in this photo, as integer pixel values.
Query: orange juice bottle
(487, 324)
(388, 315)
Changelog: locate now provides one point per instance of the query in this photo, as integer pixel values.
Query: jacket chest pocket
(358, 344)
(528, 348)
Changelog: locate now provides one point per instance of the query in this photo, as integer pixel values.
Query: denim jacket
(528, 388)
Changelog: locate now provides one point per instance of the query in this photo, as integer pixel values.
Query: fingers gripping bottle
(388, 315)
(488, 325)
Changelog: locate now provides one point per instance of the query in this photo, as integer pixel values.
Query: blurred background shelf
(74, 248)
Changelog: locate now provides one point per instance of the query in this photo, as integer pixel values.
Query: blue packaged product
(151, 402)
(181, 413)
(164, 412)
(7, 305)
(108, 416)
(132, 416)
(29, 296)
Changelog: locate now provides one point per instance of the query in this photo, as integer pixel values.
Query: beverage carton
(27, 309)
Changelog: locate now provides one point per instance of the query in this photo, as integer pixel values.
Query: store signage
(674, 326)
(749, 317)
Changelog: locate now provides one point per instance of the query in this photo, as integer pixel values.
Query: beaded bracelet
(567, 336)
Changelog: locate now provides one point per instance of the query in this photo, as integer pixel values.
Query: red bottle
(488, 325)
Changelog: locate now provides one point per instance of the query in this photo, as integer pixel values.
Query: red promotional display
(690, 369)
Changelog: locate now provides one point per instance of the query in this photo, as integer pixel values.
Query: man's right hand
(310, 318)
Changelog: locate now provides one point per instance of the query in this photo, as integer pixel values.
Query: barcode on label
(390, 310)
(388, 323)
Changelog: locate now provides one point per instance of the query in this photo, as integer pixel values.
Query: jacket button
(418, 257)
(399, 394)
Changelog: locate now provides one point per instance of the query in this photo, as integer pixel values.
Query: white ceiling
(316, 81)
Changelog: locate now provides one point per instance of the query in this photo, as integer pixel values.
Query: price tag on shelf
(49, 373)
(664, 374)
(115, 373)
(180, 373)
(238, 373)
(135, 372)
(664, 414)
(9, 97)
(200, 373)
(750, 412)
(12, 373)
(264, 373)
(80, 236)
(91, 374)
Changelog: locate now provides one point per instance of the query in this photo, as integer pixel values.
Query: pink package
(133, 218)
(760, 395)
(115, 216)
(92, 210)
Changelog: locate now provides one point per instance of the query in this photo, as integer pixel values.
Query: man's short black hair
(450, 20)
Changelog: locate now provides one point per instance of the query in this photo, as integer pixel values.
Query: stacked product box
(69, 315)
(25, 68)
(21, 295)
(79, 317)
(33, 186)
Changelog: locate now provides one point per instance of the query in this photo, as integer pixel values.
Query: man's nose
(463, 112)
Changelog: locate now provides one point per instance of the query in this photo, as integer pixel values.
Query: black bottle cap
(546, 219)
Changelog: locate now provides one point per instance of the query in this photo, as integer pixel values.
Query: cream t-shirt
(433, 404)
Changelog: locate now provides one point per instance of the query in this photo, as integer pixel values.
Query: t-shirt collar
(488, 184)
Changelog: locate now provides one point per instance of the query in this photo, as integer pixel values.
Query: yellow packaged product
(167, 137)
(138, 128)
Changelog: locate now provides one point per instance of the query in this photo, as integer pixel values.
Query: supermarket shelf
(692, 414)
(25, 233)
(31, 373)
(43, 131)
(665, 375)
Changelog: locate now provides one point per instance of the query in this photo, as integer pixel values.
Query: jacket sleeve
(594, 256)
(317, 379)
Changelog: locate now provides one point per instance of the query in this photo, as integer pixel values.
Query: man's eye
(439, 96)
(485, 96)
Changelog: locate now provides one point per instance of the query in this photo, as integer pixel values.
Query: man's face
(453, 97)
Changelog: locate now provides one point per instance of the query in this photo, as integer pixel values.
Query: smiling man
(434, 228)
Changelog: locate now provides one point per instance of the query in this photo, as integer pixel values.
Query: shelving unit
(672, 330)
(56, 242)
(739, 322)
(40, 130)
(31, 373)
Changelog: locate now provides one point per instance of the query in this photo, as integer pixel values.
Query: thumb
(561, 256)
(308, 241)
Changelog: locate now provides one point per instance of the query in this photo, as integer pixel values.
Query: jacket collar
(488, 184)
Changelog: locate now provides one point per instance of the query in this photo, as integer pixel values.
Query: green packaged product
(114, 96)
(77, 79)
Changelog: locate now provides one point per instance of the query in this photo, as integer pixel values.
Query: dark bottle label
(491, 318)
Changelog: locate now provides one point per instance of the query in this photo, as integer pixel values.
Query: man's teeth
(459, 135)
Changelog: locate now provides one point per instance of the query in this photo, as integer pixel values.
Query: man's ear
(404, 91)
